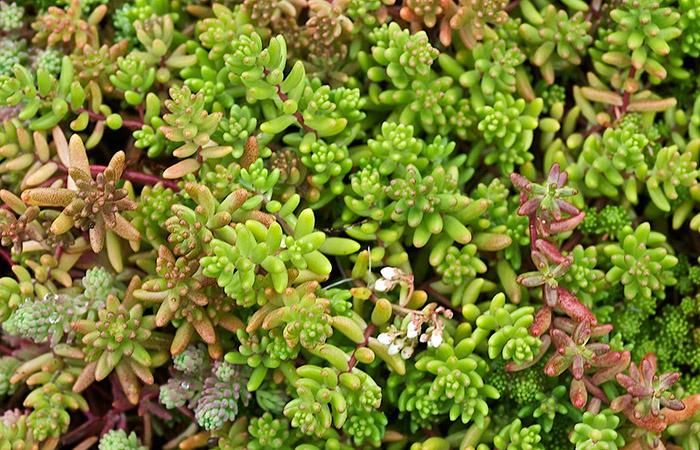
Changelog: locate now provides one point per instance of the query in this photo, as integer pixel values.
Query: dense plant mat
(350, 224)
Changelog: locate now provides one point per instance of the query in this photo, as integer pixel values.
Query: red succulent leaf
(568, 207)
(529, 207)
(574, 308)
(577, 367)
(556, 364)
(553, 175)
(667, 380)
(567, 224)
(578, 393)
(551, 296)
(552, 253)
(599, 348)
(561, 339)
(520, 182)
(541, 322)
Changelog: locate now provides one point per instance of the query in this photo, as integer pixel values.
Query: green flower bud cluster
(610, 221)
(458, 380)
(640, 264)
(671, 170)
(8, 364)
(516, 437)
(218, 403)
(598, 431)
(400, 55)
(236, 127)
(49, 60)
(11, 16)
(546, 407)
(554, 39)
(268, 432)
(583, 279)
(119, 440)
(154, 209)
(645, 30)
(318, 403)
(508, 124)
(46, 319)
(118, 340)
(14, 432)
(460, 265)
(134, 77)
(511, 337)
(11, 53)
(495, 64)
(689, 10)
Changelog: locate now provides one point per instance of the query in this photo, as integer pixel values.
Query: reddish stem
(135, 176)
(371, 328)
(7, 257)
(134, 124)
(626, 95)
(297, 114)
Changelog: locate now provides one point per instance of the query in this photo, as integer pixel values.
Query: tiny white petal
(435, 340)
(407, 352)
(382, 285)
(390, 272)
(385, 339)
(412, 330)
(393, 349)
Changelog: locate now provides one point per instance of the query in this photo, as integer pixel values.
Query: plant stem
(135, 176)
(297, 114)
(371, 328)
(134, 124)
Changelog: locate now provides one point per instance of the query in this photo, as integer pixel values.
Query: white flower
(412, 330)
(407, 352)
(390, 273)
(435, 339)
(382, 285)
(385, 338)
(393, 349)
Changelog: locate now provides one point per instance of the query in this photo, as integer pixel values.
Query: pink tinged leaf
(608, 373)
(529, 207)
(601, 330)
(577, 367)
(556, 364)
(639, 391)
(567, 224)
(553, 176)
(539, 259)
(667, 380)
(568, 207)
(531, 279)
(563, 178)
(565, 324)
(599, 348)
(578, 393)
(561, 339)
(551, 297)
(648, 366)
(674, 404)
(546, 342)
(520, 182)
(604, 359)
(625, 380)
(648, 422)
(552, 253)
(572, 307)
(541, 322)
(621, 402)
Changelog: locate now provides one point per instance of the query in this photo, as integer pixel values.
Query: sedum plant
(410, 224)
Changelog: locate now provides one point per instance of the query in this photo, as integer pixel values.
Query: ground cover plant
(350, 224)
